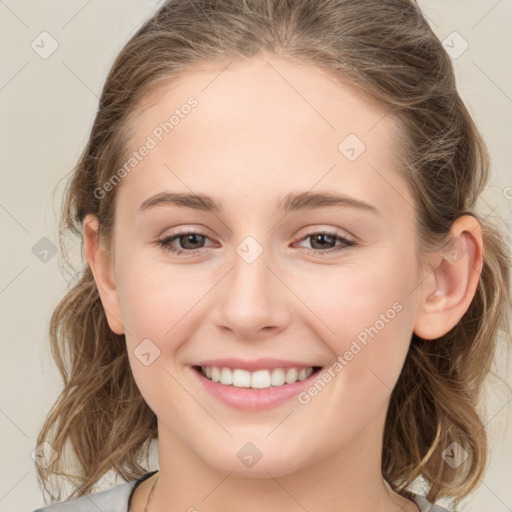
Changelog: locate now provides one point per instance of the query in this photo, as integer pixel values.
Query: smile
(255, 390)
(259, 379)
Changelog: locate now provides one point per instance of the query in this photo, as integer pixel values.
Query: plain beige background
(47, 105)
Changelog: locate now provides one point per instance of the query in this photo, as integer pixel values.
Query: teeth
(291, 376)
(226, 377)
(241, 378)
(259, 379)
(278, 377)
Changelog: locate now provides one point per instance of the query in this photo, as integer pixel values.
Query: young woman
(287, 284)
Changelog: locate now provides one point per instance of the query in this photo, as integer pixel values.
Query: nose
(252, 301)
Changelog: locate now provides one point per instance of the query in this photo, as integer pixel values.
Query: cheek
(159, 314)
(369, 326)
(365, 314)
(156, 296)
(349, 299)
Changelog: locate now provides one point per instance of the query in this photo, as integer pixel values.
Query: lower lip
(253, 399)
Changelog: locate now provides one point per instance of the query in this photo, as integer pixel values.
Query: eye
(189, 240)
(322, 238)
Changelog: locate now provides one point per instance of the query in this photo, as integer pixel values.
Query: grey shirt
(118, 498)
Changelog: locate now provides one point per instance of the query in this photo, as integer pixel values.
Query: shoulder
(426, 506)
(110, 500)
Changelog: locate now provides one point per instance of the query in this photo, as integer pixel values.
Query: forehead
(263, 88)
(260, 122)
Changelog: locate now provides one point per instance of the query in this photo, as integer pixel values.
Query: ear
(102, 270)
(448, 291)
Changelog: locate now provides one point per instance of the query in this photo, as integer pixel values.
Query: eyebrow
(291, 202)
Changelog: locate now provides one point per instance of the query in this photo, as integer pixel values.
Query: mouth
(259, 379)
(256, 390)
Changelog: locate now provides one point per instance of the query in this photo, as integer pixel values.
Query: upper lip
(253, 365)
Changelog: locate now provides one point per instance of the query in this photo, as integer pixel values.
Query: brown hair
(385, 49)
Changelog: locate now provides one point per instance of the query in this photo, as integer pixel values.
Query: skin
(252, 129)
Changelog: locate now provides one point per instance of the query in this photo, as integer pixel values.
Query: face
(268, 278)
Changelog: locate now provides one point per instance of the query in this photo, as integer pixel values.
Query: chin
(277, 464)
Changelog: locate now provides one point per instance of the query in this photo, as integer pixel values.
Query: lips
(246, 383)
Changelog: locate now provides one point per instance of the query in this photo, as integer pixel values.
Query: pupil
(191, 238)
(318, 238)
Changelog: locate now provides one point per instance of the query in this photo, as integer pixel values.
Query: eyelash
(165, 242)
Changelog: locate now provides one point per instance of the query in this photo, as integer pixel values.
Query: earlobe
(448, 292)
(101, 267)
